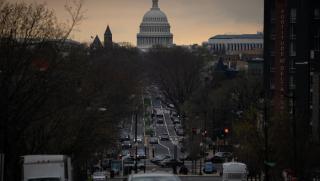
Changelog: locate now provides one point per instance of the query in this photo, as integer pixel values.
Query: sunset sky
(192, 21)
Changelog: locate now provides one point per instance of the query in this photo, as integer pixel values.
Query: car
(157, 159)
(180, 132)
(216, 159)
(164, 137)
(160, 121)
(169, 162)
(126, 145)
(141, 154)
(139, 139)
(154, 176)
(208, 168)
(125, 153)
(175, 120)
(153, 140)
(124, 137)
(99, 176)
(177, 126)
(224, 155)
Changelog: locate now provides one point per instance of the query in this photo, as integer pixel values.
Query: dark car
(141, 154)
(175, 121)
(160, 121)
(208, 168)
(124, 137)
(171, 162)
(180, 132)
(164, 137)
(157, 159)
(216, 159)
(126, 145)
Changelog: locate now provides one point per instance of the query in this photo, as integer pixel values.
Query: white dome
(155, 15)
(154, 29)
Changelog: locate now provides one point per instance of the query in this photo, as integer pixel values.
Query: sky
(192, 21)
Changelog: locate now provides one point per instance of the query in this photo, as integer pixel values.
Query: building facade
(154, 29)
(292, 61)
(235, 44)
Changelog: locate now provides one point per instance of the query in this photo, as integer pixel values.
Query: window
(293, 15)
(293, 48)
(317, 13)
(292, 31)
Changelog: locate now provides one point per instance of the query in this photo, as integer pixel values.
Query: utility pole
(266, 144)
(135, 141)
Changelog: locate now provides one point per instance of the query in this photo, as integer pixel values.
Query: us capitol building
(154, 29)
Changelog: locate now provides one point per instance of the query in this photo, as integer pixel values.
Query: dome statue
(154, 29)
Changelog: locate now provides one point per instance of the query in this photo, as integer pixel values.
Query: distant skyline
(192, 21)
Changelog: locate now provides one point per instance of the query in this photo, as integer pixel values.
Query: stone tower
(108, 38)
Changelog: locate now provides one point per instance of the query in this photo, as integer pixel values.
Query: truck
(234, 171)
(46, 168)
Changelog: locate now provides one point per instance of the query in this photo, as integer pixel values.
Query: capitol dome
(154, 29)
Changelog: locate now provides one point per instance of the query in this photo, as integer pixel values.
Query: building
(154, 29)
(291, 75)
(292, 65)
(235, 44)
(108, 43)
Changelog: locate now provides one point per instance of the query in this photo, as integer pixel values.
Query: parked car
(164, 137)
(169, 162)
(208, 168)
(153, 140)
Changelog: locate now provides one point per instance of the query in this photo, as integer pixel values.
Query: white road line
(131, 125)
(165, 147)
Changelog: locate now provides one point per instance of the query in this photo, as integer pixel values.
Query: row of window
(293, 14)
(156, 19)
(236, 46)
(154, 29)
(151, 41)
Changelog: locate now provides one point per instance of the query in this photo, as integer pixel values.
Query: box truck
(46, 168)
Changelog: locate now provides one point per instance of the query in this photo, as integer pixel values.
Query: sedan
(126, 145)
(153, 140)
(171, 162)
(180, 132)
(164, 137)
(157, 159)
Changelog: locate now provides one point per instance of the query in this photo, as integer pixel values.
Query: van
(234, 171)
(46, 167)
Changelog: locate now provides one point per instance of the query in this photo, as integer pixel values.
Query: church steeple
(155, 4)
(108, 38)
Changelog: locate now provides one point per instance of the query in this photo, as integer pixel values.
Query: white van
(47, 168)
(234, 171)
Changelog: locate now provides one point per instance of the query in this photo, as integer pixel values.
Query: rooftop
(242, 36)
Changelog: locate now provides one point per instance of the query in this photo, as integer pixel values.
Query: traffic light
(194, 130)
(226, 131)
